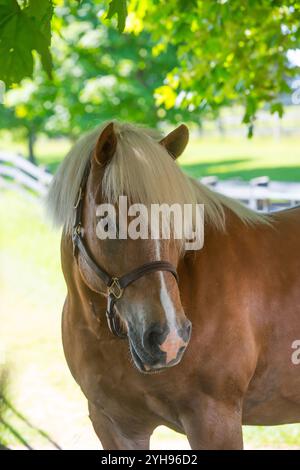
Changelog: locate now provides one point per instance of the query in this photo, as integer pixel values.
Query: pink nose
(171, 345)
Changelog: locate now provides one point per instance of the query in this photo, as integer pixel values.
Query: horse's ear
(176, 141)
(106, 145)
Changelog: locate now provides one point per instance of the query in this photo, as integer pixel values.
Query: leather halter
(115, 285)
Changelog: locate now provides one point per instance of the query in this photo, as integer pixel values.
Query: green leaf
(15, 52)
(21, 32)
(41, 11)
(7, 9)
(119, 8)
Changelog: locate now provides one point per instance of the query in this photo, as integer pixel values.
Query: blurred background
(234, 81)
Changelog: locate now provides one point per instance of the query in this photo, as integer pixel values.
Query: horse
(201, 341)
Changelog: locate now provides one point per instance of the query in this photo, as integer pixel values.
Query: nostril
(185, 331)
(153, 337)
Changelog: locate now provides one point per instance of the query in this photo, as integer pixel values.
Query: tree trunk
(31, 141)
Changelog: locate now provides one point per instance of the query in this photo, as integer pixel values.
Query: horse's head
(149, 308)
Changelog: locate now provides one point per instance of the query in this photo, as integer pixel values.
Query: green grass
(244, 158)
(32, 291)
(224, 157)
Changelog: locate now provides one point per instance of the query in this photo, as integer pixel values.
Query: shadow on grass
(199, 169)
(21, 417)
(7, 411)
(232, 170)
(231, 167)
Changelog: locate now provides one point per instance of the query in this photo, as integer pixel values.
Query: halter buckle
(115, 289)
(77, 230)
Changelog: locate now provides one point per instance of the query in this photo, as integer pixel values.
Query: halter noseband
(115, 285)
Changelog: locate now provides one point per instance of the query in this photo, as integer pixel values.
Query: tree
(227, 51)
(28, 109)
(101, 74)
(88, 87)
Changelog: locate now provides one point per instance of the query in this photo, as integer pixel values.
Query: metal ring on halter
(115, 289)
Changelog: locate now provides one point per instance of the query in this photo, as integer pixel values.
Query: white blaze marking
(164, 294)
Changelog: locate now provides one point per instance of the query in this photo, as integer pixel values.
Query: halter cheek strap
(115, 285)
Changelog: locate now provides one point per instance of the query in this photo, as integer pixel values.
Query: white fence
(19, 174)
(259, 193)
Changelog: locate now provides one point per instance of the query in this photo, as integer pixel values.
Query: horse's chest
(120, 391)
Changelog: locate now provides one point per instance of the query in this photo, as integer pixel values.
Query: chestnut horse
(240, 293)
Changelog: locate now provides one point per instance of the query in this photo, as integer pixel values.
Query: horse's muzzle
(160, 348)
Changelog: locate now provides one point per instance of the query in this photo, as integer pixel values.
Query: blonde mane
(142, 170)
